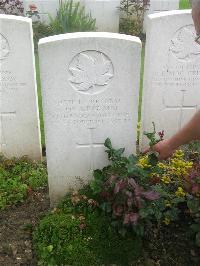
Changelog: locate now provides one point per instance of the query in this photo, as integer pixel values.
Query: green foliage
(71, 17)
(40, 30)
(61, 238)
(122, 191)
(131, 21)
(18, 177)
(184, 4)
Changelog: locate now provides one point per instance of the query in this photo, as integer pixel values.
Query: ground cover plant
(135, 211)
(18, 178)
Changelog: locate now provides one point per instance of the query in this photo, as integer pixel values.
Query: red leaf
(151, 195)
(119, 186)
(131, 218)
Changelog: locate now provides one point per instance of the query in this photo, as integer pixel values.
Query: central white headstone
(90, 87)
(172, 72)
(19, 118)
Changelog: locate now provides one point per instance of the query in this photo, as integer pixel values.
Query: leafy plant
(122, 192)
(71, 17)
(78, 233)
(18, 178)
(40, 30)
(133, 12)
(12, 7)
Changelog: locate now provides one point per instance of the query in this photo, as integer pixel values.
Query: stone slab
(19, 118)
(171, 93)
(90, 87)
(106, 13)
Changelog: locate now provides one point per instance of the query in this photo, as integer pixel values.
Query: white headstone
(90, 87)
(19, 122)
(156, 6)
(171, 92)
(106, 13)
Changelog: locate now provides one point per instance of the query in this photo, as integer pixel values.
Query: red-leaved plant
(12, 7)
(125, 198)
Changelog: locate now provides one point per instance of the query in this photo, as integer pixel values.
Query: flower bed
(129, 201)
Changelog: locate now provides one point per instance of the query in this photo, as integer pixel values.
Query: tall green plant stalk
(71, 17)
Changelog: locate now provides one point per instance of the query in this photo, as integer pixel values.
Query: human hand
(163, 148)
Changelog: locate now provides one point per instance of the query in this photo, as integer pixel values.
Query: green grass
(184, 4)
(39, 99)
(141, 81)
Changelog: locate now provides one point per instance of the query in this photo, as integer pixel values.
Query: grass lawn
(184, 4)
(39, 99)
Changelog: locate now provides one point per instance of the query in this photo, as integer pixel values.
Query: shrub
(71, 17)
(132, 18)
(12, 7)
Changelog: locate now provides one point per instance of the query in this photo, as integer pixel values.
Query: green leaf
(195, 227)
(50, 248)
(108, 143)
(198, 239)
(98, 175)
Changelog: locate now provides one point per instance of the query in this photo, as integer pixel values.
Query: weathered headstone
(171, 92)
(90, 87)
(156, 6)
(106, 13)
(19, 122)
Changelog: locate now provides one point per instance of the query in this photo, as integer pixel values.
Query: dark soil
(16, 224)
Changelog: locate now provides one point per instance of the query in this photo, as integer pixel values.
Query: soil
(16, 224)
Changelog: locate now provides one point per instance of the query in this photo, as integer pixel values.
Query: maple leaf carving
(91, 70)
(184, 46)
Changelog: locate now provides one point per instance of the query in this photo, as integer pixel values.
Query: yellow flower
(162, 165)
(178, 154)
(179, 167)
(167, 203)
(166, 221)
(180, 192)
(144, 162)
(166, 179)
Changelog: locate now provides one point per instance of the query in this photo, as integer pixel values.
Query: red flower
(33, 7)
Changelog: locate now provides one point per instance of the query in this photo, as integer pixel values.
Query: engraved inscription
(183, 45)
(184, 75)
(91, 145)
(4, 47)
(90, 72)
(90, 113)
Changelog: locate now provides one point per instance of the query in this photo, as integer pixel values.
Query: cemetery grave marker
(171, 92)
(19, 122)
(90, 87)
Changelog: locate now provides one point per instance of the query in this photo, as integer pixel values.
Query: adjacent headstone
(19, 122)
(90, 87)
(171, 92)
(156, 6)
(106, 13)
